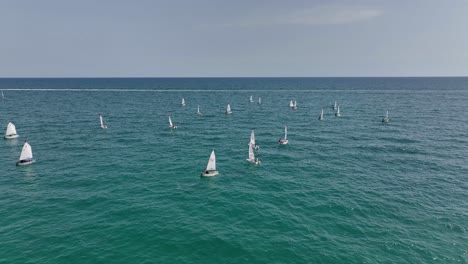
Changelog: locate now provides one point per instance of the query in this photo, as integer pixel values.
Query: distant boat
(228, 109)
(386, 119)
(259, 100)
(285, 140)
(10, 131)
(291, 104)
(103, 125)
(251, 99)
(335, 106)
(183, 102)
(170, 123)
(198, 110)
(321, 115)
(252, 141)
(338, 114)
(210, 170)
(252, 158)
(294, 107)
(26, 156)
(3, 96)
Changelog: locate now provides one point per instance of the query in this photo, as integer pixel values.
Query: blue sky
(181, 38)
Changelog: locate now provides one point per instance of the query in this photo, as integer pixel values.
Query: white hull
(104, 127)
(283, 142)
(209, 174)
(19, 163)
(337, 114)
(256, 147)
(228, 113)
(254, 161)
(11, 136)
(385, 120)
(173, 127)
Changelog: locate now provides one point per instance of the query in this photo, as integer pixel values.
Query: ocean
(344, 190)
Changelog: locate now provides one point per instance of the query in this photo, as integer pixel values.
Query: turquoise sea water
(345, 190)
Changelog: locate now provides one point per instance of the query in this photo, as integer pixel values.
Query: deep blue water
(345, 190)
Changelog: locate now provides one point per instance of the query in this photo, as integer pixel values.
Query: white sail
(211, 166)
(338, 110)
(259, 100)
(251, 99)
(291, 104)
(285, 132)
(198, 109)
(251, 152)
(26, 153)
(321, 115)
(170, 122)
(334, 106)
(386, 116)
(228, 109)
(183, 102)
(295, 104)
(252, 138)
(100, 119)
(11, 129)
(3, 95)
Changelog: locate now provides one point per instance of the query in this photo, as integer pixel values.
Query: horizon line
(234, 77)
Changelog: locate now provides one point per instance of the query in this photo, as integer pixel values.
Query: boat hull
(209, 174)
(254, 162)
(283, 142)
(228, 113)
(172, 127)
(385, 120)
(104, 127)
(24, 163)
(11, 136)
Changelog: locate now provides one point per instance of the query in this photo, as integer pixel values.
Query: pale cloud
(319, 15)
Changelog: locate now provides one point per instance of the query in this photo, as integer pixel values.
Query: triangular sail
(100, 119)
(26, 153)
(291, 104)
(228, 108)
(285, 132)
(170, 121)
(251, 152)
(211, 166)
(295, 104)
(252, 138)
(198, 109)
(386, 115)
(338, 110)
(259, 100)
(251, 99)
(3, 95)
(11, 130)
(183, 101)
(334, 106)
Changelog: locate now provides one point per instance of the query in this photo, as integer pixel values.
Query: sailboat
(26, 156)
(285, 140)
(335, 106)
(170, 123)
(3, 96)
(252, 158)
(210, 170)
(338, 114)
(252, 141)
(386, 119)
(103, 125)
(321, 115)
(291, 104)
(183, 102)
(251, 99)
(11, 131)
(294, 107)
(259, 100)
(228, 109)
(198, 110)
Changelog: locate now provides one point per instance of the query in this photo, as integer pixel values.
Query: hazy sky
(115, 38)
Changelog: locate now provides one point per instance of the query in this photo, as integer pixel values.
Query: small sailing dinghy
(252, 158)
(338, 114)
(334, 106)
(251, 99)
(210, 170)
(183, 102)
(259, 100)
(170, 123)
(386, 119)
(3, 96)
(10, 131)
(252, 141)
(103, 125)
(26, 156)
(228, 109)
(291, 104)
(285, 140)
(321, 115)
(294, 107)
(198, 110)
